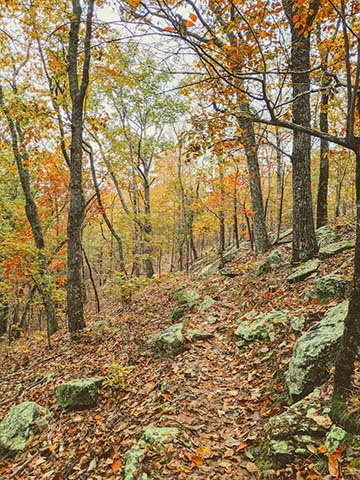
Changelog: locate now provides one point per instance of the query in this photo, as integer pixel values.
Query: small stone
(169, 342)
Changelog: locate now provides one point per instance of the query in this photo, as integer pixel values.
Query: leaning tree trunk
(304, 239)
(348, 352)
(75, 307)
(147, 230)
(261, 240)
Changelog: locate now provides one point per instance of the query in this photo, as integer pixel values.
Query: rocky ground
(195, 379)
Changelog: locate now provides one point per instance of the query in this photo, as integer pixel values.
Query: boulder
(304, 271)
(335, 248)
(22, 422)
(275, 258)
(332, 286)
(79, 394)
(290, 435)
(156, 438)
(207, 303)
(169, 342)
(211, 268)
(186, 297)
(325, 235)
(254, 326)
(314, 353)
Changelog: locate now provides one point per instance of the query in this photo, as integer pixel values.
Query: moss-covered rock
(304, 271)
(290, 434)
(332, 286)
(22, 422)
(275, 258)
(207, 303)
(186, 297)
(154, 438)
(254, 326)
(79, 394)
(169, 342)
(211, 268)
(325, 235)
(314, 353)
(335, 248)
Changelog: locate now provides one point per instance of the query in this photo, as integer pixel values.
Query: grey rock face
(22, 422)
(314, 353)
(79, 394)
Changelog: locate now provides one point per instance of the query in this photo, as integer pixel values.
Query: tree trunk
(261, 240)
(344, 366)
(304, 240)
(32, 215)
(147, 230)
(322, 208)
(75, 306)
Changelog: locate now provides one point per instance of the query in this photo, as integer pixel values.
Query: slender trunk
(235, 212)
(221, 215)
(261, 240)
(32, 215)
(147, 230)
(98, 308)
(4, 317)
(103, 212)
(322, 207)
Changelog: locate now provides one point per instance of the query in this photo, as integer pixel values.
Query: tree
(75, 307)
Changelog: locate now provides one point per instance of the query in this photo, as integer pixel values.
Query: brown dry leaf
(229, 452)
(323, 449)
(116, 465)
(251, 467)
(312, 448)
(204, 452)
(197, 460)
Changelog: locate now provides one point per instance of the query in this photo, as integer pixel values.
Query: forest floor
(218, 396)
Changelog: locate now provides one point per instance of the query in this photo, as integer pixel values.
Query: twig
(22, 466)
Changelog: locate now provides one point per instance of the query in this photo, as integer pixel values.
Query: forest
(180, 239)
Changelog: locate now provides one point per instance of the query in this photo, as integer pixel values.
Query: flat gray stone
(304, 271)
(169, 342)
(335, 248)
(254, 326)
(325, 235)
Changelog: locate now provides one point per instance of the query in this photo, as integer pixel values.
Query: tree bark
(260, 236)
(75, 306)
(322, 207)
(304, 239)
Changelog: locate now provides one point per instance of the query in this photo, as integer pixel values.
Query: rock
(275, 258)
(207, 303)
(254, 326)
(169, 342)
(154, 437)
(229, 272)
(22, 422)
(332, 286)
(79, 394)
(336, 437)
(304, 271)
(314, 353)
(211, 319)
(210, 269)
(186, 297)
(335, 248)
(290, 434)
(325, 235)
(297, 324)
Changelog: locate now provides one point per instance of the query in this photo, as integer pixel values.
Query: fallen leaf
(116, 465)
(197, 460)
